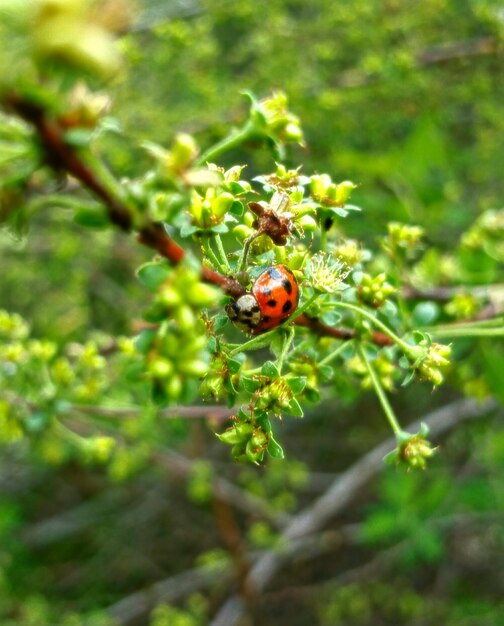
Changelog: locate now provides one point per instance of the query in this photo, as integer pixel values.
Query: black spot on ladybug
(255, 309)
(266, 318)
(274, 273)
(248, 313)
(287, 306)
(287, 286)
(272, 303)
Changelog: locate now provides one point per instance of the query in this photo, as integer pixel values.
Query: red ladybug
(273, 298)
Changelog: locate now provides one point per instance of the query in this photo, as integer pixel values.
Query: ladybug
(273, 298)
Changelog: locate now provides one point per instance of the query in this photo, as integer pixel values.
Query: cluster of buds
(272, 116)
(80, 33)
(249, 439)
(283, 179)
(402, 239)
(251, 436)
(330, 194)
(462, 306)
(350, 252)
(383, 367)
(88, 367)
(222, 377)
(413, 450)
(211, 209)
(278, 393)
(374, 290)
(10, 427)
(182, 154)
(487, 233)
(175, 350)
(85, 108)
(429, 359)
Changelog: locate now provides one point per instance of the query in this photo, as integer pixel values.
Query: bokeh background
(405, 99)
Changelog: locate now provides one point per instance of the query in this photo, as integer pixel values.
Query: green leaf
(144, 340)
(234, 365)
(236, 208)
(425, 313)
(275, 450)
(326, 373)
(153, 275)
(78, 137)
(92, 218)
(230, 437)
(212, 344)
(270, 370)
(187, 230)
(331, 318)
(220, 321)
(294, 409)
(249, 384)
(297, 383)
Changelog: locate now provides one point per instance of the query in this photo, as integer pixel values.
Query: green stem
(254, 344)
(352, 307)
(205, 243)
(287, 342)
(330, 357)
(222, 252)
(323, 238)
(62, 201)
(242, 263)
(303, 308)
(262, 340)
(465, 332)
(233, 140)
(386, 406)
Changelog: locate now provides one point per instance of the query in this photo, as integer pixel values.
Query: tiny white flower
(327, 273)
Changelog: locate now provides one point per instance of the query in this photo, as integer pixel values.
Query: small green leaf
(326, 373)
(236, 208)
(78, 137)
(220, 321)
(92, 218)
(294, 409)
(153, 275)
(425, 313)
(249, 384)
(331, 318)
(270, 370)
(144, 340)
(187, 230)
(275, 450)
(212, 344)
(297, 383)
(234, 365)
(230, 437)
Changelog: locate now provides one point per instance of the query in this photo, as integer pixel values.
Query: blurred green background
(402, 97)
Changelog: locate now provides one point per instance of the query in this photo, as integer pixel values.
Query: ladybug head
(244, 313)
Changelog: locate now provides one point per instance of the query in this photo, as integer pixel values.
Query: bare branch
(343, 490)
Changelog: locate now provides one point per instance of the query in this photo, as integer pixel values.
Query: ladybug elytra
(273, 298)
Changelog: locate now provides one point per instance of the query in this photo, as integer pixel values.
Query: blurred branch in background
(343, 490)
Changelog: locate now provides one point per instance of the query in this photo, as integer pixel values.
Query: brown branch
(437, 55)
(210, 412)
(345, 334)
(62, 156)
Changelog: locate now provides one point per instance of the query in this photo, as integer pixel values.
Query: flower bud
(184, 151)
